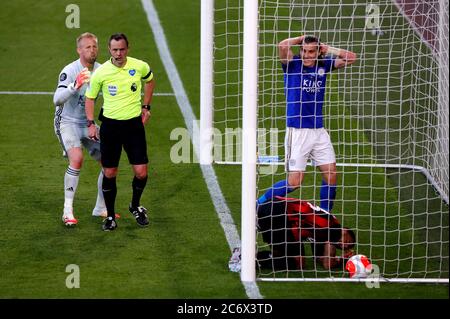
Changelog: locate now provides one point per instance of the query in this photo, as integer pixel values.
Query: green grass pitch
(184, 253)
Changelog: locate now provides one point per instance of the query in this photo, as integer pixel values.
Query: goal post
(206, 81)
(387, 116)
(249, 129)
(441, 158)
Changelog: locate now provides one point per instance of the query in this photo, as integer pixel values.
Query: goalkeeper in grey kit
(71, 126)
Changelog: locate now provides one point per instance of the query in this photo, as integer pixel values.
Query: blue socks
(327, 196)
(280, 188)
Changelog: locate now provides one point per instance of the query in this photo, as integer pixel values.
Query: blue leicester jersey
(304, 88)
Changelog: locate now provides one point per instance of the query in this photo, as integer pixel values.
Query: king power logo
(312, 86)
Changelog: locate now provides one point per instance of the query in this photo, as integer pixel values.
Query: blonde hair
(86, 35)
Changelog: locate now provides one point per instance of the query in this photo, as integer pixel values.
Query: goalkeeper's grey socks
(138, 186)
(109, 193)
(100, 204)
(70, 187)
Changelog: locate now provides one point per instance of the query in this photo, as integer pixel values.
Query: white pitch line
(51, 93)
(223, 212)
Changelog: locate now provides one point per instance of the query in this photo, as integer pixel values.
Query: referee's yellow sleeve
(146, 71)
(93, 88)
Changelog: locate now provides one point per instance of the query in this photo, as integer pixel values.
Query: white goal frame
(249, 134)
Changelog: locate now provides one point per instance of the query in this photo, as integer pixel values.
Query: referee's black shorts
(127, 133)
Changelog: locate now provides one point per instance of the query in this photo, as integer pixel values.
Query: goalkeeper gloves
(82, 77)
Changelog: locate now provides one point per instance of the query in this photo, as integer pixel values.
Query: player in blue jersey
(305, 77)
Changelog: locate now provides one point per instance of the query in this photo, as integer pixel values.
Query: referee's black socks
(109, 189)
(138, 188)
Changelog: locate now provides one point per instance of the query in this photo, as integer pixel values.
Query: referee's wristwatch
(147, 107)
(90, 122)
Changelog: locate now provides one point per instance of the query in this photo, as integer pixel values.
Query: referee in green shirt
(123, 118)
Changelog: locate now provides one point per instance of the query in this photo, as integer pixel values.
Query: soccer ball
(358, 266)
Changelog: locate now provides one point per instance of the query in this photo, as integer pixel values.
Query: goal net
(387, 116)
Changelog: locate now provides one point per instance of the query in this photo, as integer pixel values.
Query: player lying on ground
(286, 224)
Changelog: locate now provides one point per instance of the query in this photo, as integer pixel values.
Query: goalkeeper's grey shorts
(76, 135)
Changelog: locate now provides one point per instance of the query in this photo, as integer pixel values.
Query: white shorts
(302, 144)
(75, 135)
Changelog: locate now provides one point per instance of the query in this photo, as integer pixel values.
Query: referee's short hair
(118, 37)
(85, 35)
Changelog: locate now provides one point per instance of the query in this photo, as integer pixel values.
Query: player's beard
(92, 59)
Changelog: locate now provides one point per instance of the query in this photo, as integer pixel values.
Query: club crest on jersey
(62, 77)
(132, 72)
(321, 71)
(112, 89)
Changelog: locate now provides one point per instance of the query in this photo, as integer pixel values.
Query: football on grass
(358, 266)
